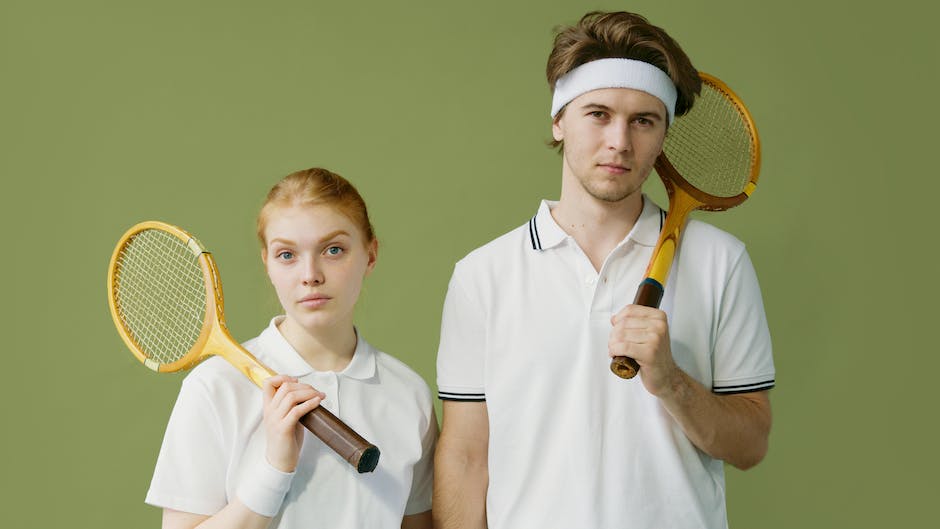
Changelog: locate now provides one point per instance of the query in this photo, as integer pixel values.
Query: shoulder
(218, 379)
(511, 241)
(703, 234)
(704, 243)
(399, 377)
(495, 256)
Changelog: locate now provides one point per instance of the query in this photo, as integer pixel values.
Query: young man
(537, 432)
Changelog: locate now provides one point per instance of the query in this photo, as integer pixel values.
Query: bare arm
(234, 516)
(733, 428)
(417, 521)
(285, 402)
(460, 467)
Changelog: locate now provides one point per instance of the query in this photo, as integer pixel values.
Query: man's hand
(642, 333)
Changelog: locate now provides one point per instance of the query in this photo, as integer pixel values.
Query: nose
(618, 137)
(313, 274)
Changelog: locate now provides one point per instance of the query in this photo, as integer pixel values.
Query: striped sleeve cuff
(467, 397)
(743, 388)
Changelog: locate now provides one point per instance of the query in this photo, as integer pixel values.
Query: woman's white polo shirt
(215, 437)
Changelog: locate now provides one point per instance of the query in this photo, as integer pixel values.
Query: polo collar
(647, 228)
(284, 359)
(545, 233)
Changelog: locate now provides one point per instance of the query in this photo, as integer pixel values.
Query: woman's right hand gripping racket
(710, 161)
(166, 300)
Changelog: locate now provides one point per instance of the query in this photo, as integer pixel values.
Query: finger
(639, 336)
(303, 408)
(290, 398)
(641, 353)
(271, 384)
(293, 386)
(639, 312)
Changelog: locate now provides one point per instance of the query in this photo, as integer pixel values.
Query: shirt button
(590, 279)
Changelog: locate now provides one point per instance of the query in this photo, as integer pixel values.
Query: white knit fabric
(615, 73)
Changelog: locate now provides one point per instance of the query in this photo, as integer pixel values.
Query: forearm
(460, 482)
(733, 428)
(235, 515)
(417, 521)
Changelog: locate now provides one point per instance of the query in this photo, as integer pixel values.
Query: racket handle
(351, 446)
(649, 294)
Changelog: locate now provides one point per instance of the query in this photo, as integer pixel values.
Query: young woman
(236, 457)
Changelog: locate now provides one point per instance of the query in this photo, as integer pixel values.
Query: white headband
(615, 73)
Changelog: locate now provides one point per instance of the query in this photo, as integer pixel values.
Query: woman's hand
(285, 401)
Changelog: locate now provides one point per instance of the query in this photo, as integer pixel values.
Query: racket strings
(705, 145)
(160, 295)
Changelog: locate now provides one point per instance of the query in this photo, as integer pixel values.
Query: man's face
(612, 137)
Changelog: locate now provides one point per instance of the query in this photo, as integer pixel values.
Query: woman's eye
(285, 255)
(334, 250)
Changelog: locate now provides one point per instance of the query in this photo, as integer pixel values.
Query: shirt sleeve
(191, 468)
(422, 481)
(461, 354)
(743, 358)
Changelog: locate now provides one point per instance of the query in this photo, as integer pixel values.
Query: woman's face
(316, 258)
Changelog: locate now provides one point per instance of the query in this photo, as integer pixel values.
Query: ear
(264, 261)
(557, 131)
(373, 249)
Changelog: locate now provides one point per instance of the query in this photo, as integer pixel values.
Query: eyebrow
(328, 236)
(598, 106)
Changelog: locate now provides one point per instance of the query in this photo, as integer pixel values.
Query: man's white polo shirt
(215, 437)
(525, 328)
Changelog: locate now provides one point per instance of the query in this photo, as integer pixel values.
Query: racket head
(713, 152)
(163, 295)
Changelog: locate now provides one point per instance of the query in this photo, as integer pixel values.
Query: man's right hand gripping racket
(166, 300)
(710, 161)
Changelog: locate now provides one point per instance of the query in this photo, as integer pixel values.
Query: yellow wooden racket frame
(684, 197)
(214, 338)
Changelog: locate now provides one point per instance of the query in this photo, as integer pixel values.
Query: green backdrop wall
(116, 112)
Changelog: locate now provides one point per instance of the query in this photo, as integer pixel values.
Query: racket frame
(215, 339)
(683, 199)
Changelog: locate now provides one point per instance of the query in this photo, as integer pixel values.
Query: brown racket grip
(342, 439)
(649, 294)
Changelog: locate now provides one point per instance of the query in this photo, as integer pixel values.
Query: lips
(614, 168)
(314, 300)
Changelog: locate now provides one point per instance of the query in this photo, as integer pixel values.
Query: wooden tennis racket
(710, 161)
(166, 300)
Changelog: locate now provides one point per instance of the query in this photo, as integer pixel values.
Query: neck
(596, 225)
(328, 350)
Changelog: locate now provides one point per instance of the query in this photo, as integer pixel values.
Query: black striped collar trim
(545, 233)
(647, 227)
(534, 235)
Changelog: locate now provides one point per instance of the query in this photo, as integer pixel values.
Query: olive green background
(116, 112)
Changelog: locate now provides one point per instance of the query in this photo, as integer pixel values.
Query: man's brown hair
(623, 35)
